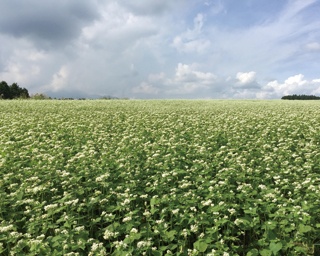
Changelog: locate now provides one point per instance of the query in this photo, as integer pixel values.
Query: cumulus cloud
(186, 80)
(188, 74)
(246, 78)
(296, 84)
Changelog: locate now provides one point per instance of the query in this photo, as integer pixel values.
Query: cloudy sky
(162, 48)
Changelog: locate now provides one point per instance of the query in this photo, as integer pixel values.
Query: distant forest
(12, 91)
(300, 97)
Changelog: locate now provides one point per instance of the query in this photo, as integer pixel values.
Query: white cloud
(193, 39)
(314, 46)
(22, 64)
(117, 29)
(186, 80)
(295, 81)
(246, 78)
(60, 79)
(296, 84)
(188, 74)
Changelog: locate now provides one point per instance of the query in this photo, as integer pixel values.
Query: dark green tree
(300, 97)
(12, 91)
(4, 90)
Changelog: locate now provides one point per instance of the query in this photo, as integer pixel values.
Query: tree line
(300, 97)
(12, 91)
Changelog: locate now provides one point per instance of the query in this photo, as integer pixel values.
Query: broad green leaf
(304, 228)
(265, 252)
(200, 245)
(275, 247)
(170, 235)
(253, 252)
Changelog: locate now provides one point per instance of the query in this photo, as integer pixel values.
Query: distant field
(159, 177)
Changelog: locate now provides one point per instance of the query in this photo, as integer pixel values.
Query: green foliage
(12, 91)
(39, 96)
(159, 177)
(300, 97)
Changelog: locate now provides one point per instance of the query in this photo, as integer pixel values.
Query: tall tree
(12, 91)
(4, 90)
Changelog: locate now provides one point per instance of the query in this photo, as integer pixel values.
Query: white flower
(262, 187)
(184, 232)
(50, 206)
(7, 228)
(127, 219)
(232, 211)
(193, 208)
(238, 222)
(126, 201)
(146, 213)
(109, 234)
(80, 228)
(134, 230)
(206, 203)
(212, 253)
(94, 247)
(175, 211)
(194, 228)
(142, 244)
(72, 202)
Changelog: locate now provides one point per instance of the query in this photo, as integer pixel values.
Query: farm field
(159, 177)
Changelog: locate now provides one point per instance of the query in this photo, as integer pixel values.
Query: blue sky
(162, 48)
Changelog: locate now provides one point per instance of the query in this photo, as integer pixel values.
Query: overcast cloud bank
(162, 49)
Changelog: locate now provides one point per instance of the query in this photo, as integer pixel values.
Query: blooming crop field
(159, 177)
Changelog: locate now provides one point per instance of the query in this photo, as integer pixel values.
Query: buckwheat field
(159, 177)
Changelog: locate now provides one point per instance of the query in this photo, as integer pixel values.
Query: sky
(162, 49)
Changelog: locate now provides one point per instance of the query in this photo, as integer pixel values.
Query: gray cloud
(49, 22)
(153, 8)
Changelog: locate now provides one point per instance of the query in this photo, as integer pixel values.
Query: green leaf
(275, 247)
(270, 235)
(135, 236)
(170, 235)
(253, 252)
(304, 228)
(265, 252)
(200, 245)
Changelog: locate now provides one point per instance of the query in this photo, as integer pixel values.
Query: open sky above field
(162, 48)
